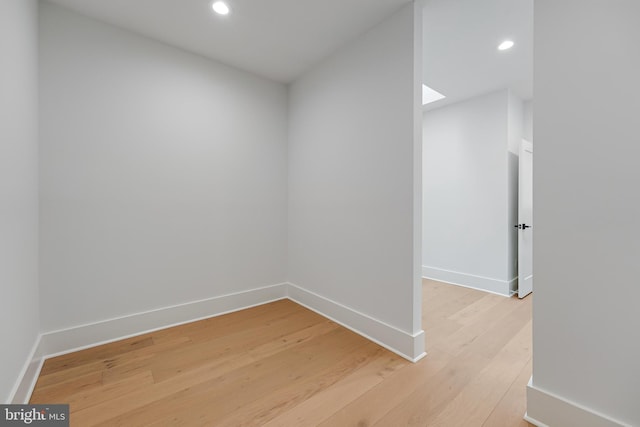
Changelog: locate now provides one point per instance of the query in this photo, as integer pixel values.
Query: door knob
(522, 226)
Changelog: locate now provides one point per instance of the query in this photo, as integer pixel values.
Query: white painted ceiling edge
(278, 39)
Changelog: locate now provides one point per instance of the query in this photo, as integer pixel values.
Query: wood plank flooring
(282, 365)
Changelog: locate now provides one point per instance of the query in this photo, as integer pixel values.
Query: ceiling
(278, 39)
(281, 39)
(460, 40)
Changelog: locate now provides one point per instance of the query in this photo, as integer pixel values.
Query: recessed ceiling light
(220, 8)
(507, 44)
(429, 95)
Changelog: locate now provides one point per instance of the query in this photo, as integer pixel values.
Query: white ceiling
(460, 39)
(281, 39)
(278, 39)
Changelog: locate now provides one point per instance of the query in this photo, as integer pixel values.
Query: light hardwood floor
(282, 365)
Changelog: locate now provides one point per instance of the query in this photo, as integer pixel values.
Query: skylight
(429, 95)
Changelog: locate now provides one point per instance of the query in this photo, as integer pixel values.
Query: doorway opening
(477, 225)
(477, 117)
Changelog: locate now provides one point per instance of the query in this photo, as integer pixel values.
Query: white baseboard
(23, 388)
(546, 409)
(495, 286)
(513, 286)
(409, 346)
(56, 343)
(77, 338)
(530, 420)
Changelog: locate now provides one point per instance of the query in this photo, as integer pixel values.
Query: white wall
(468, 200)
(586, 239)
(352, 187)
(528, 121)
(18, 188)
(163, 174)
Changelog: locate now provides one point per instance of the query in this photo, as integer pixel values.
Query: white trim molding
(405, 344)
(495, 286)
(26, 382)
(545, 409)
(513, 286)
(63, 341)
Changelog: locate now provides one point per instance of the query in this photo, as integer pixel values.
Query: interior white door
(525, 220)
